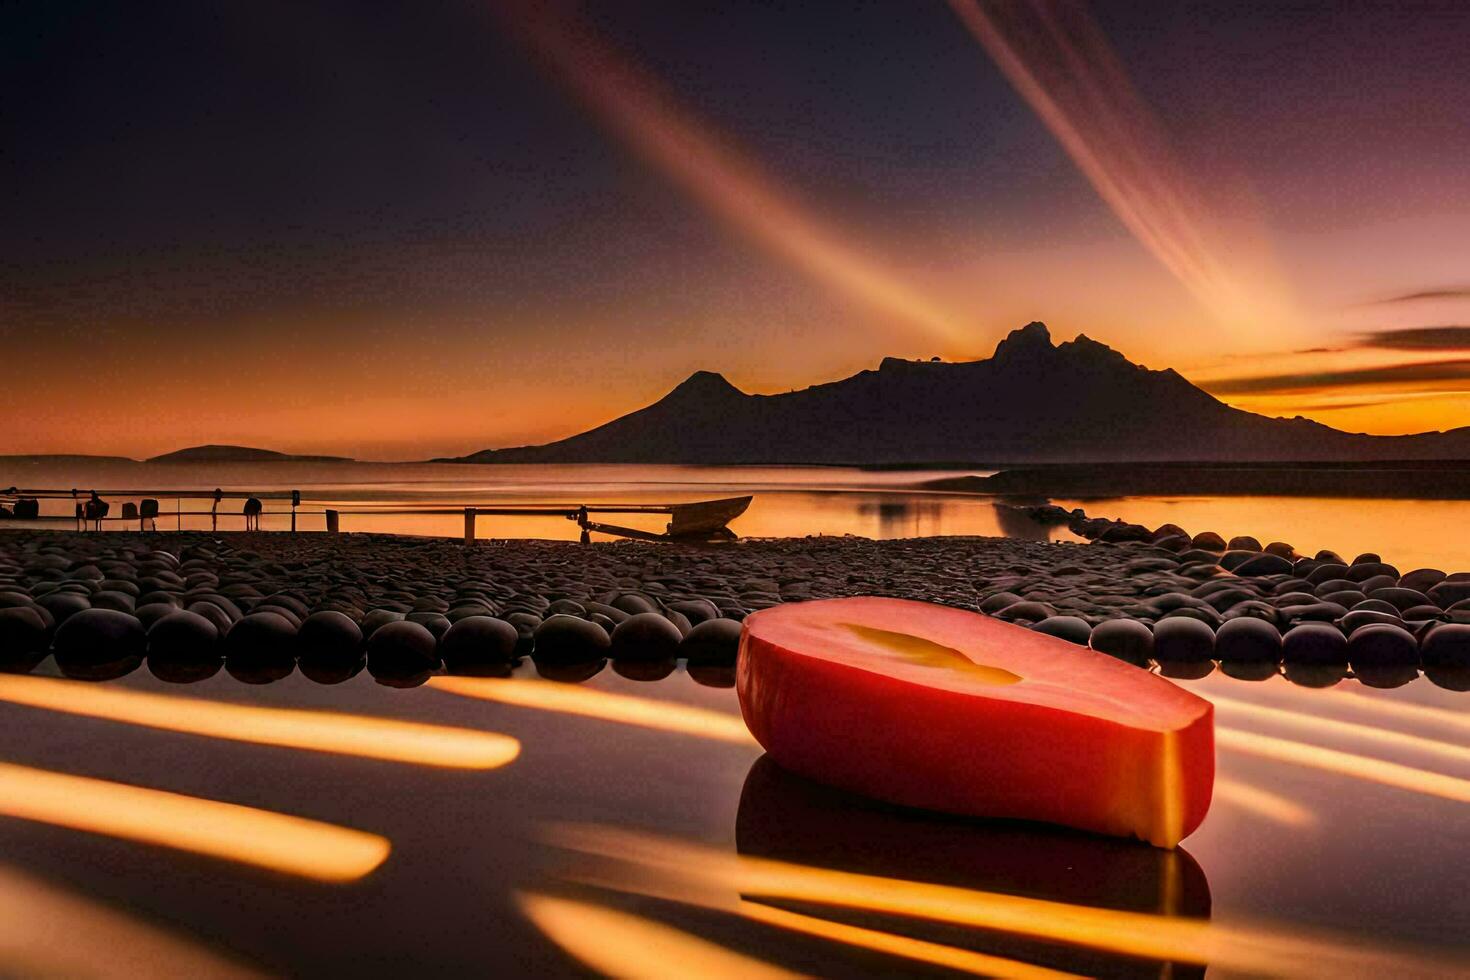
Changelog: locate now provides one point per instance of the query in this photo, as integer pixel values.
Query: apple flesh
(942, 709)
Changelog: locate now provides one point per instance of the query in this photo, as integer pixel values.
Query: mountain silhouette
(239, 454)
(1032, 401)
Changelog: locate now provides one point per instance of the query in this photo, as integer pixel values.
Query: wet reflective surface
(635, 810)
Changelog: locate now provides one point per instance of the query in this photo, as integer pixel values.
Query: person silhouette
(214, 509)
(95, 510)
(252, 514)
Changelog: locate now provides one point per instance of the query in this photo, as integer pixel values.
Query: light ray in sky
(632, 103)
(1059, 61)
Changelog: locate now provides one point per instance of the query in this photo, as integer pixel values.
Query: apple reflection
(787, 818)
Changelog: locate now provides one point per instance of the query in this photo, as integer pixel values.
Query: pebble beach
(261, 603)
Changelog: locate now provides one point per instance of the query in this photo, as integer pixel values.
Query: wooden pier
(703, 520)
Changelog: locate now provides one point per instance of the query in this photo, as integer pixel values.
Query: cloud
(1444, 292)
(1453, 370)
(1418, 338)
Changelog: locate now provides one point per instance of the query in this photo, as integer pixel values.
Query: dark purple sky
(383, 228)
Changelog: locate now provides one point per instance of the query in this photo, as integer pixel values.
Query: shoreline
(1153, 597)
(1400, 480)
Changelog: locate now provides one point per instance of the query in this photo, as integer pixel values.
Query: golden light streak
(1261, 949)
(316, 731)
(637, 108)
(1421, 713)
(278, 841)
(1263, 803)
(1346, 764)
(45, 931)
(664, 716)
(918, 950)
(1061, 64)
(617, 944)
(1347, 729)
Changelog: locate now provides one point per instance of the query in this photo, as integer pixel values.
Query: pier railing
(706, 518)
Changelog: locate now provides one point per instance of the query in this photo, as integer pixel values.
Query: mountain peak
(706, 384)
(1030, 339)
(1094, 350)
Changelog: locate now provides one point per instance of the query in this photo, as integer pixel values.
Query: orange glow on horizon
(229, 831)
(314, 731)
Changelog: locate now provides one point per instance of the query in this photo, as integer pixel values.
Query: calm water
(789, 501)
(629, 820)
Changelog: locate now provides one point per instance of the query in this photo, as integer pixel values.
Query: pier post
(469, 525)
(332, 525)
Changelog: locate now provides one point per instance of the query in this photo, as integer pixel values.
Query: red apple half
(932, 707)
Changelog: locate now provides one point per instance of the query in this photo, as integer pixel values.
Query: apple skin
(1081, 740)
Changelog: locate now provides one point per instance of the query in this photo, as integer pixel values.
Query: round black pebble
(213, 612)
(569, 640)
(403, 640)
(1247, 640)
(645, 636)
(378, 618)
(644, 670)
(1126, 639)
(712, 643)
(262, 636)
(329, 637)
(100, 635)
(1446, 646)
(22, 631)
(1314, 675)
(1385, 675)
(478, 640)
(1382, 645)
(63, 605)
(1314, 643)
(569, 673)
(1249, 670)
(182, 637)
(1182, 638)
(1073, 629)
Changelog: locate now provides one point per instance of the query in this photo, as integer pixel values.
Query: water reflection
(667, 868)
(47, 931)
(243, 834)
(712, 676)
(90, 669)
(294, 728)
(789, 819)
(644, 670)
(620, 944)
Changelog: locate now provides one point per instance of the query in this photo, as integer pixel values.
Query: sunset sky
(401, 230)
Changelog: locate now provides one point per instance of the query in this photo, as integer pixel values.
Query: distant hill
(1032, 401)
(239, 454)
